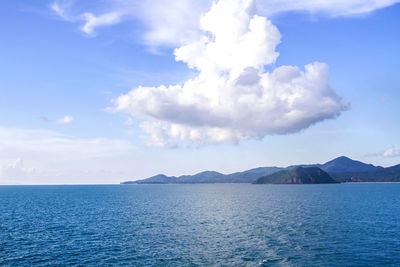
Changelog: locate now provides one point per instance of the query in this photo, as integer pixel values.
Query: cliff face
(298, 175)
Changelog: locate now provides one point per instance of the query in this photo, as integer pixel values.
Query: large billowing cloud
(233, 97)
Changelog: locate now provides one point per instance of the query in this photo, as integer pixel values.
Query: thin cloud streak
(53, 156)
(162, 19)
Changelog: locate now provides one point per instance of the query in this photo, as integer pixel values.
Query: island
(298, 175)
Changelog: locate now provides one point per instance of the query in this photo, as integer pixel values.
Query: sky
(106, 91)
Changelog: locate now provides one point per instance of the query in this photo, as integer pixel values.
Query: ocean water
(200, 225)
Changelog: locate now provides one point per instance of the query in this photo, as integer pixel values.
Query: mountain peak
(343, 158)
(345, 164)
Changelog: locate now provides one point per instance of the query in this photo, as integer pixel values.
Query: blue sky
(52, 66)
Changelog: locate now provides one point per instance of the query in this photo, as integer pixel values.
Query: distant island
(298, 175)
(341, 169)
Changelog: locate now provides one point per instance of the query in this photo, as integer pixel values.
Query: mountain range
(342, 169)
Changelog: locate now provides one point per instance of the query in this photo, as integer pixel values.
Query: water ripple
(200, 225)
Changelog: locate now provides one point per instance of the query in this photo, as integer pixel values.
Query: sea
(200, 225)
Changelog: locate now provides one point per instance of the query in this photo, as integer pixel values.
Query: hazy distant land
(341, 169)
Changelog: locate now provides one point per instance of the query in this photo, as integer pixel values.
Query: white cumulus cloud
(233, 97)
(391, 152)
(65, 120)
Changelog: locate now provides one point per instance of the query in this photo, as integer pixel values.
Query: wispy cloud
(63, 9)
(15, 139)
(60, 11)
(65, 120)
(14, 170)
(333, 8)
(93, 22)
(53, 157)
(90, 21)
(163, 20)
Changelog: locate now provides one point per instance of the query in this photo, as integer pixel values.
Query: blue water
(197, 225)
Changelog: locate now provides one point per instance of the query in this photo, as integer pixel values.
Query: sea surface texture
(200, 225)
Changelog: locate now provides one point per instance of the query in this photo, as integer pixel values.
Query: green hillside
(298, 175)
